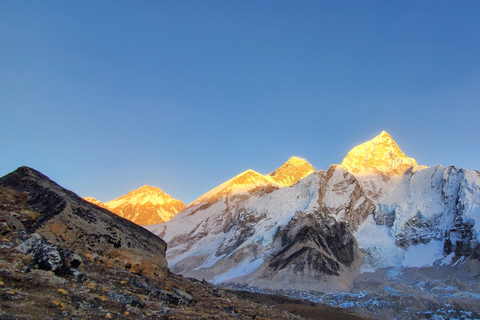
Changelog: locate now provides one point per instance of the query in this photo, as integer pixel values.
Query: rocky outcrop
(340, 195)
(313, 244)
(64, 219)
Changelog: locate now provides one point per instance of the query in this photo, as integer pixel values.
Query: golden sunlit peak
(296, 159)
(381, 154)
(292, 171)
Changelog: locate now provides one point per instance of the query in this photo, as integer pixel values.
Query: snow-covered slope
(146, 205)
(378, 209)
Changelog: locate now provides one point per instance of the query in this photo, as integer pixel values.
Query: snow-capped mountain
(144, 206)
(376, 210)
(292, 171)
(379, 155)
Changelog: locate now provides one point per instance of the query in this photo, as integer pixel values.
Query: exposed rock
(126, 299)
(418, 230)
(385, 218)
(313, 245)
(46, 256)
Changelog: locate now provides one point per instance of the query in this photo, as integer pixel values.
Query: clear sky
(106, 96)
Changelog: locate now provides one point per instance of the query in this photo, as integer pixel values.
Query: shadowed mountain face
(65, 219)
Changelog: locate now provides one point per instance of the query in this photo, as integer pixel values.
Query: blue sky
(106, 96)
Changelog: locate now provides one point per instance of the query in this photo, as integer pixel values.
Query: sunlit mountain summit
(292, 171)
(145, 205)
(381, 154)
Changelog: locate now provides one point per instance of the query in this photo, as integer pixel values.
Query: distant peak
(381, 154)
(146, 189)
(292, 171)
(383, 137)
(246, 177)
(296, 160)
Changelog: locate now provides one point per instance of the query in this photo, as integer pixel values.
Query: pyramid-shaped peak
(247, 177)
(381, 154)
(384, 138)
(292, 171)
(296, 160)
(149, 188)
(146, 190)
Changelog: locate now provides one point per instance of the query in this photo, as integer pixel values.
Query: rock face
(143, 206)
(63, 219)
(377, 210)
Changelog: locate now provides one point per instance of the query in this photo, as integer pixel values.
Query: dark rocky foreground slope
(63, 218)
(64, 258)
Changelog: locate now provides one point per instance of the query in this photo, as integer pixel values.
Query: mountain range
(365, 223)
(62, 257)
(378, 234)
(150, 205)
